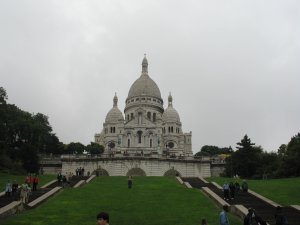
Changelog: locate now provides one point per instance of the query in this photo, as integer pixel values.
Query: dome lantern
(170, 99)
(115, 100)
(145, 65)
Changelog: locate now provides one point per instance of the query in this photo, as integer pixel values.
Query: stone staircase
(264, 209)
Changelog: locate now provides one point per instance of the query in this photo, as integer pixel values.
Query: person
(250, 218)
(24, 193)
(237, 187)
(28, 180)
(232, 190)
(280, 218)
(223, 216)
(103, 218)
(244, 186)
(8, 188)
(36, 181)
(203, 221)
(130, 182)
(59, 179)
(253, 219)
(226, 191)
(14, 187)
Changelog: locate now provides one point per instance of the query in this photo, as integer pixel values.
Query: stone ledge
(264, 198)
(220, 202)
(90, 178)
(80, 183)
(44, 197)
(2, 193)
(216, 185)
(48, 184)
(239, 210)
(179, 180)
(187, 184)
(297, 207)
(11, 208)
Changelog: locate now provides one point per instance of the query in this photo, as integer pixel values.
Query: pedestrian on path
(8, 188)
(280, 217)
(223, 216)
(36, 181)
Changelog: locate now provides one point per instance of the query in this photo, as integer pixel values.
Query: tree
(3, 96)
(245, 160)
(282, 150)
(245, 143)
(75, 148)
(209, 150)
(23, 136)
(94, 148)
(290, 161)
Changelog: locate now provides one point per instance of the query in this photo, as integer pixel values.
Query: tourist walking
(253, 219)
(244, 186)
(129, 181)
(14, 187)
(280, 218)
(232, 190)
(28, 180)
(8, 188)
(223, 219)
(103, 218)
(36, 181)
(226, 191)
(24, 193)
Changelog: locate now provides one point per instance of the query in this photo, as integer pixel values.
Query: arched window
(149, 115)
(171, 129)
(154, 117)
(128, 143)
(132, 116)
(128, 117)
(150, 143)
(139, 137)
(140, 117)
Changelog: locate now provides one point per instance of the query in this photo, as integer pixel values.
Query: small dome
(114, 115)
(170, 114)
(144, 85)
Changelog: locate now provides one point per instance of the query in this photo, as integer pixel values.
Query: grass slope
(152, 200)
(283, 191)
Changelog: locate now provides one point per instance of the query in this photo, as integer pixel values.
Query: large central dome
(144, 85)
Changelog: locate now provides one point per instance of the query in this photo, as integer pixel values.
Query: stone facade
(139, 167)
(147, 128)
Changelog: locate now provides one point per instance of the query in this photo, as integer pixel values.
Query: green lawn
(4, 177)
(282, 191)
(152, 200)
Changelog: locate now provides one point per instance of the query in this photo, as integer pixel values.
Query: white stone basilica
(148, 129)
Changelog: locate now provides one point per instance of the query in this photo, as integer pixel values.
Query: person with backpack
(280, 218)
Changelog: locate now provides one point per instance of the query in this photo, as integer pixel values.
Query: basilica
(145, 128)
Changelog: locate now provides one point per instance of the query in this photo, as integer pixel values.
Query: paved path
(263, 208)
(40, 194)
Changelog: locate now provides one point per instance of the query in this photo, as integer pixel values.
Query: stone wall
(139, 166)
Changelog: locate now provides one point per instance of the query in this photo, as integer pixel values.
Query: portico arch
(101, 172)
(136, 172)
(172, 173)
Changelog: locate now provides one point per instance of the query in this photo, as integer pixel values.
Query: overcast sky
(233, 67)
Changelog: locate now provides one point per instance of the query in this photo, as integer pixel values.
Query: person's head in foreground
(102, 218)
